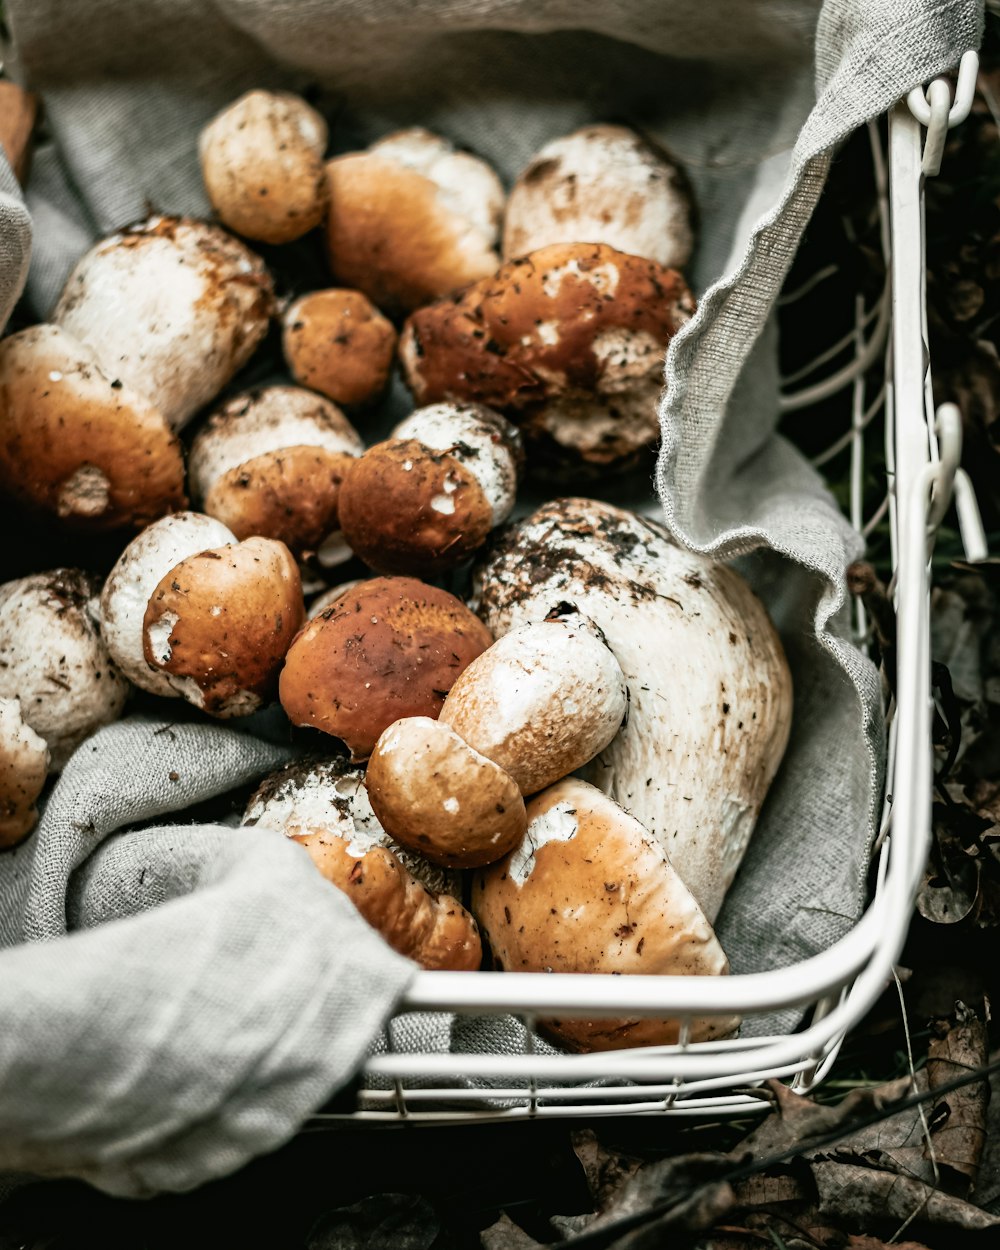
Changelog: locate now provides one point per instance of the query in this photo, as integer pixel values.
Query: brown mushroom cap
(433, 930)
(338, 343)
(438, 796)
(172, 308)
(218, 625)
(588, 890)
(405, 508)
(411, 219)
(568, 342)
(24, 761)
(602, 184)
(388, 649)
(271, 463)
(262, 163)
(78, 442)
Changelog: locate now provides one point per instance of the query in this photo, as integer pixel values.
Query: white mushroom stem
(24, 761)
(140, 568)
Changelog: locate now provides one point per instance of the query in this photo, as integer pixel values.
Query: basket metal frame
(724, 1078)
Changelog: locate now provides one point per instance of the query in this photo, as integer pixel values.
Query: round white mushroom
(24, 762)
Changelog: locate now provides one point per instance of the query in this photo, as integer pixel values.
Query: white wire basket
(835, 988)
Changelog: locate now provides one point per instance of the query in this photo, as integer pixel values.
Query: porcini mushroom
(271, 463)
(390, 648)
(187, 611)
(567, 342)
(53, 659)
(711, 693)
(24, 762)
(588, 890)
(412, 219)
(262, 163)
(323, 806)
(78, 442)
(602, 184)
(423, 501)
(171, 308)
(338, 343)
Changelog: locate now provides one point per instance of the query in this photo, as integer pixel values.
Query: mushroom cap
(405, 508)
(542, 701)
(219, 623)
(602, 184)
(411, 219)
(580, 325)
(433, 930)
(53, 659)
(338, 343)
(130, 584)
(271, 463)
(439, 796)
(24, 761)
(588, 890)
(388, 649)
(78, 442)
(711, 693)
(328, 799)
(171, 307)
(262, 163)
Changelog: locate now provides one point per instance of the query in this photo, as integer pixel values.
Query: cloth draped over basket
(176, 998)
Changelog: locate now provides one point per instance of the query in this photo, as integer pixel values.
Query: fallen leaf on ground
(958, 1119)
(380, 1222)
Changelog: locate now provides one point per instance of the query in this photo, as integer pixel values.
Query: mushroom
(439, 796)
(338, 343)
(24, 763)
(78, 442)
(602, 184)
(187, 611)
(262, 163)
(171, 308)
(425, 500)
(390, 648)
(54, 661)
(412, 219)
(323, 806)
(711, 692)
(588, 890)
(568, 342)
(271, 463)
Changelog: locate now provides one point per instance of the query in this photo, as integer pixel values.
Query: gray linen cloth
(214, 1004)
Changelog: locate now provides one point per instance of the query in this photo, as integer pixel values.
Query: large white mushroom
(711, 692)
(24, 762)
(54, 661)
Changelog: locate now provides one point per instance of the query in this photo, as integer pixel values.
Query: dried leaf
(863, 1195)
(958, 1120)
(380, 1222)
(506, 1235)
(606, 1171)
(873, 1243)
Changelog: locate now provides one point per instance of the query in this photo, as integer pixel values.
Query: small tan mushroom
(412, 219)
(271, 463)
(602, 184)
(54, 661)
(262, 162)
(423, 501)
(171, 308)
(588, 890)
(187, 611)
(438, 796)
(568, 342)
(392, 647)
(323, 805)
(24, 762)
(338, 343)
(78, 442)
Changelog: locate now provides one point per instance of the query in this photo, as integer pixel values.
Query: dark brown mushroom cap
(79, 443)
(562, 320)
(218, 625)
(405, 508)
(338, 343)
(390, 648)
